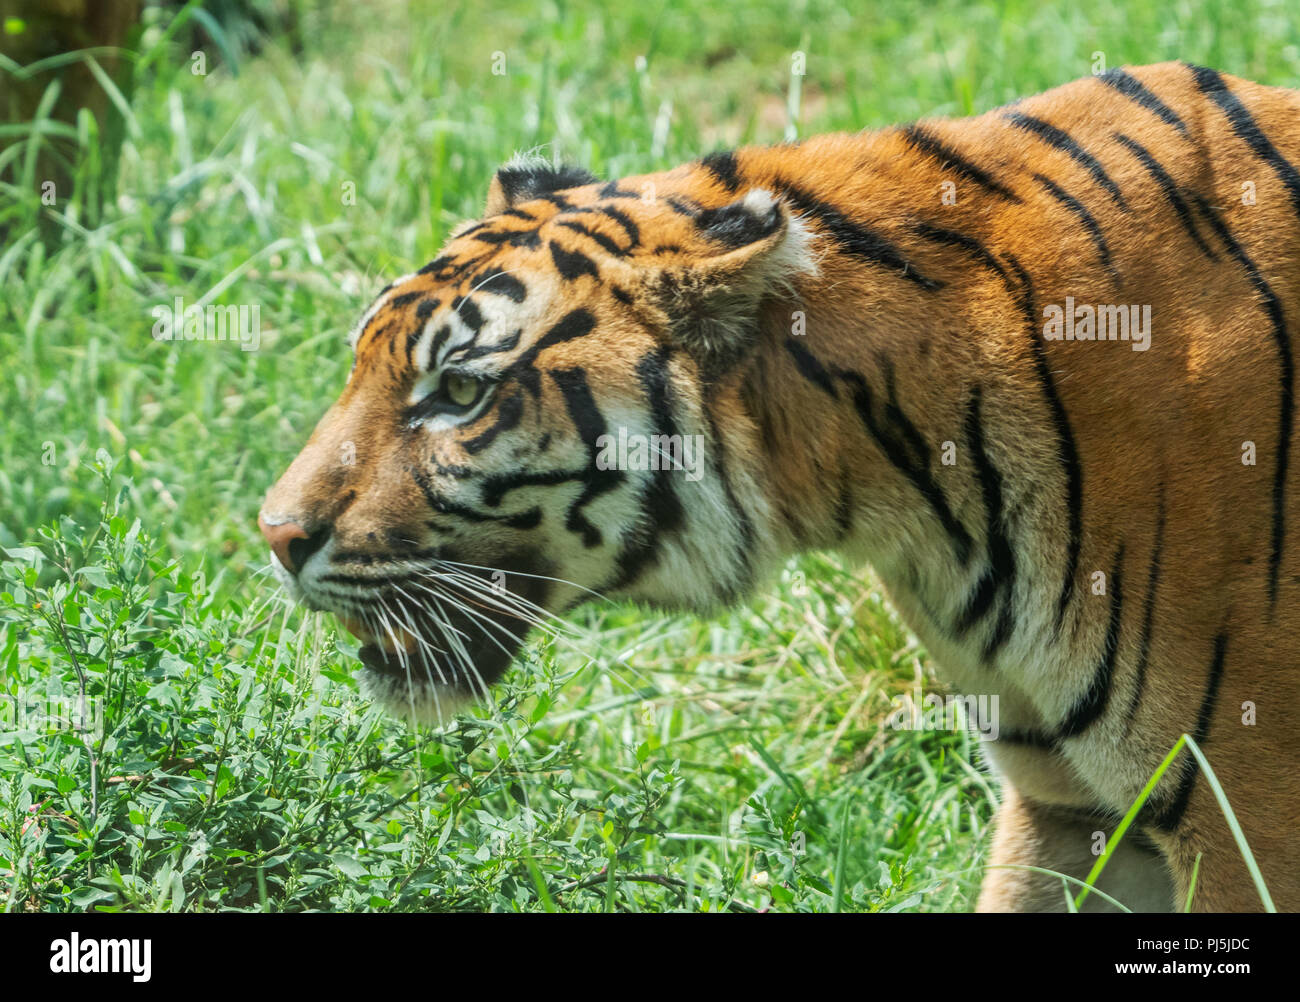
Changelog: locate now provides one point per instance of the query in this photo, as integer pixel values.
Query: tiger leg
(1027, 833)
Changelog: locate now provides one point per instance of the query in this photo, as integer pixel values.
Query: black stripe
(963, 242)
(722, 165)
(1206, 714)
(573, 325)
(439, 339)
(1062, 141)
(405, 299)
(471, 229)
(904, 446)
(810, 368)
(427, 307)
(1169, 188)
(612, 190)
(1069, 453)
(1169, 818)
(501, 283)
(1028, 738)
(495, 486)
(583, 412)
(1092, 704)
(372, 330)
(523, 182)
(1244, 124)
(1286, 403)
(663, 505)
(1148, 619)
(1133, 89)
(590, 425)
(468, 312)
(661, 509)
(571, 264)
(951, 160)
(624, 220)
(896, 435)
(853, 237)
(527, 519)
(1000, 575)
(747, 540)
(515, 238)
(1089, 221)
(469, 352)
(600, 238)
(509, 413)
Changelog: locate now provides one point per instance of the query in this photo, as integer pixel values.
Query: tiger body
(1101, 533)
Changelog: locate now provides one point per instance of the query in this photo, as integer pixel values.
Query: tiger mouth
(378, 657)
(461, 651)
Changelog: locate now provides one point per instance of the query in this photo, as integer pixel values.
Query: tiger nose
(291, 543)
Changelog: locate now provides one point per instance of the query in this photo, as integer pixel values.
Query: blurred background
(293, 156)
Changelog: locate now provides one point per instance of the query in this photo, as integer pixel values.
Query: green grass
(652, 764)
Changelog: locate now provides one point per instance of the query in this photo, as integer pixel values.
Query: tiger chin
(862, 335)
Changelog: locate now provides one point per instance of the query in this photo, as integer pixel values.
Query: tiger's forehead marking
(508, 267)
(380, 302)
(478, 266)
(488, 319)
(468, 308)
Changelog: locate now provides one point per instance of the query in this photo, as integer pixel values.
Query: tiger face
(546, 412)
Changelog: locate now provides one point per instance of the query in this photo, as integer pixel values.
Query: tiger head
(552, 409)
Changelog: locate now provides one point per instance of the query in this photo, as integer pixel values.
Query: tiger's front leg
(1027, 833)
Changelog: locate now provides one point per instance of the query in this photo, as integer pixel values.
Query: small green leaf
(350, 866)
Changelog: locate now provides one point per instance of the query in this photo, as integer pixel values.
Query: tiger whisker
(522, 574)
(508, 602)
(466, 660)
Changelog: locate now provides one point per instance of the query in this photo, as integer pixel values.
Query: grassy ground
(652, 763)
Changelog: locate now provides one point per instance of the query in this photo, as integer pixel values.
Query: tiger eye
(461, 390)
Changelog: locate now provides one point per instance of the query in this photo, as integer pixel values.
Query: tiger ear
(526, 178)
(751, 249)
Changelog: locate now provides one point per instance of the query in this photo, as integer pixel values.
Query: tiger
(1035, 368)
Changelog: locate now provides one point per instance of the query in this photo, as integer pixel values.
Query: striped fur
(829, 324)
